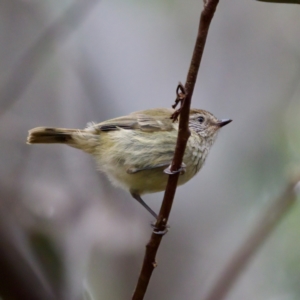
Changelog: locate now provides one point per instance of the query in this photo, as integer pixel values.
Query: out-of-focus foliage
(126, 56)
(49, 257)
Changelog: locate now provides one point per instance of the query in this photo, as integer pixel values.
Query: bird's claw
(160, 232)
(181, 170)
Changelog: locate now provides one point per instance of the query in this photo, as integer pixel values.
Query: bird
(134, 151)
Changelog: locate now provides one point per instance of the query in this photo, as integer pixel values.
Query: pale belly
(114, 158)
(153, 180)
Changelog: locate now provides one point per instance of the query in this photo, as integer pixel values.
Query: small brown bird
(134, 150)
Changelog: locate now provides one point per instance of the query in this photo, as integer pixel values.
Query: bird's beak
(224, 122)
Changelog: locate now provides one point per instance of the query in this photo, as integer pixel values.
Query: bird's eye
(201, 120)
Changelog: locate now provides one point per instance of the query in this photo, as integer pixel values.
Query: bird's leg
(140, 200)
(156, 231)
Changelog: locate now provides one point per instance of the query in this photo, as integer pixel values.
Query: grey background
(117, 57)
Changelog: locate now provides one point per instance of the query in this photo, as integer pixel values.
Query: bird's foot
(181, 170)
(158, 231)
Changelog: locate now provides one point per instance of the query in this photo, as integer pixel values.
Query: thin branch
(40, 51)
(152, 247)
(264, 227)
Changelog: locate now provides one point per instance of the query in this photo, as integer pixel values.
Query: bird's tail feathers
(46, 135)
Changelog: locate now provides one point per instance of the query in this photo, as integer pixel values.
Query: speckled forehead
(201, 112)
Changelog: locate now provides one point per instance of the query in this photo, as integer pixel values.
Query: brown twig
(263, 229)
(151, 248)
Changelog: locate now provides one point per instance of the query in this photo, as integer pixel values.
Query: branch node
(180, 97)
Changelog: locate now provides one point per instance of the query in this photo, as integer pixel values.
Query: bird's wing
(147, 120)
(133, 170)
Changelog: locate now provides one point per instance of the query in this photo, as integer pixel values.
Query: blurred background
(64, 229)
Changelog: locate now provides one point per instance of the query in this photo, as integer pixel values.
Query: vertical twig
(260, 233)
(151, 248)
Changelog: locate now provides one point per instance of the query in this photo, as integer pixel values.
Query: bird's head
(205, 123)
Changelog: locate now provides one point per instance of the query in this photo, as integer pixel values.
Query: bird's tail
(46, 135)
